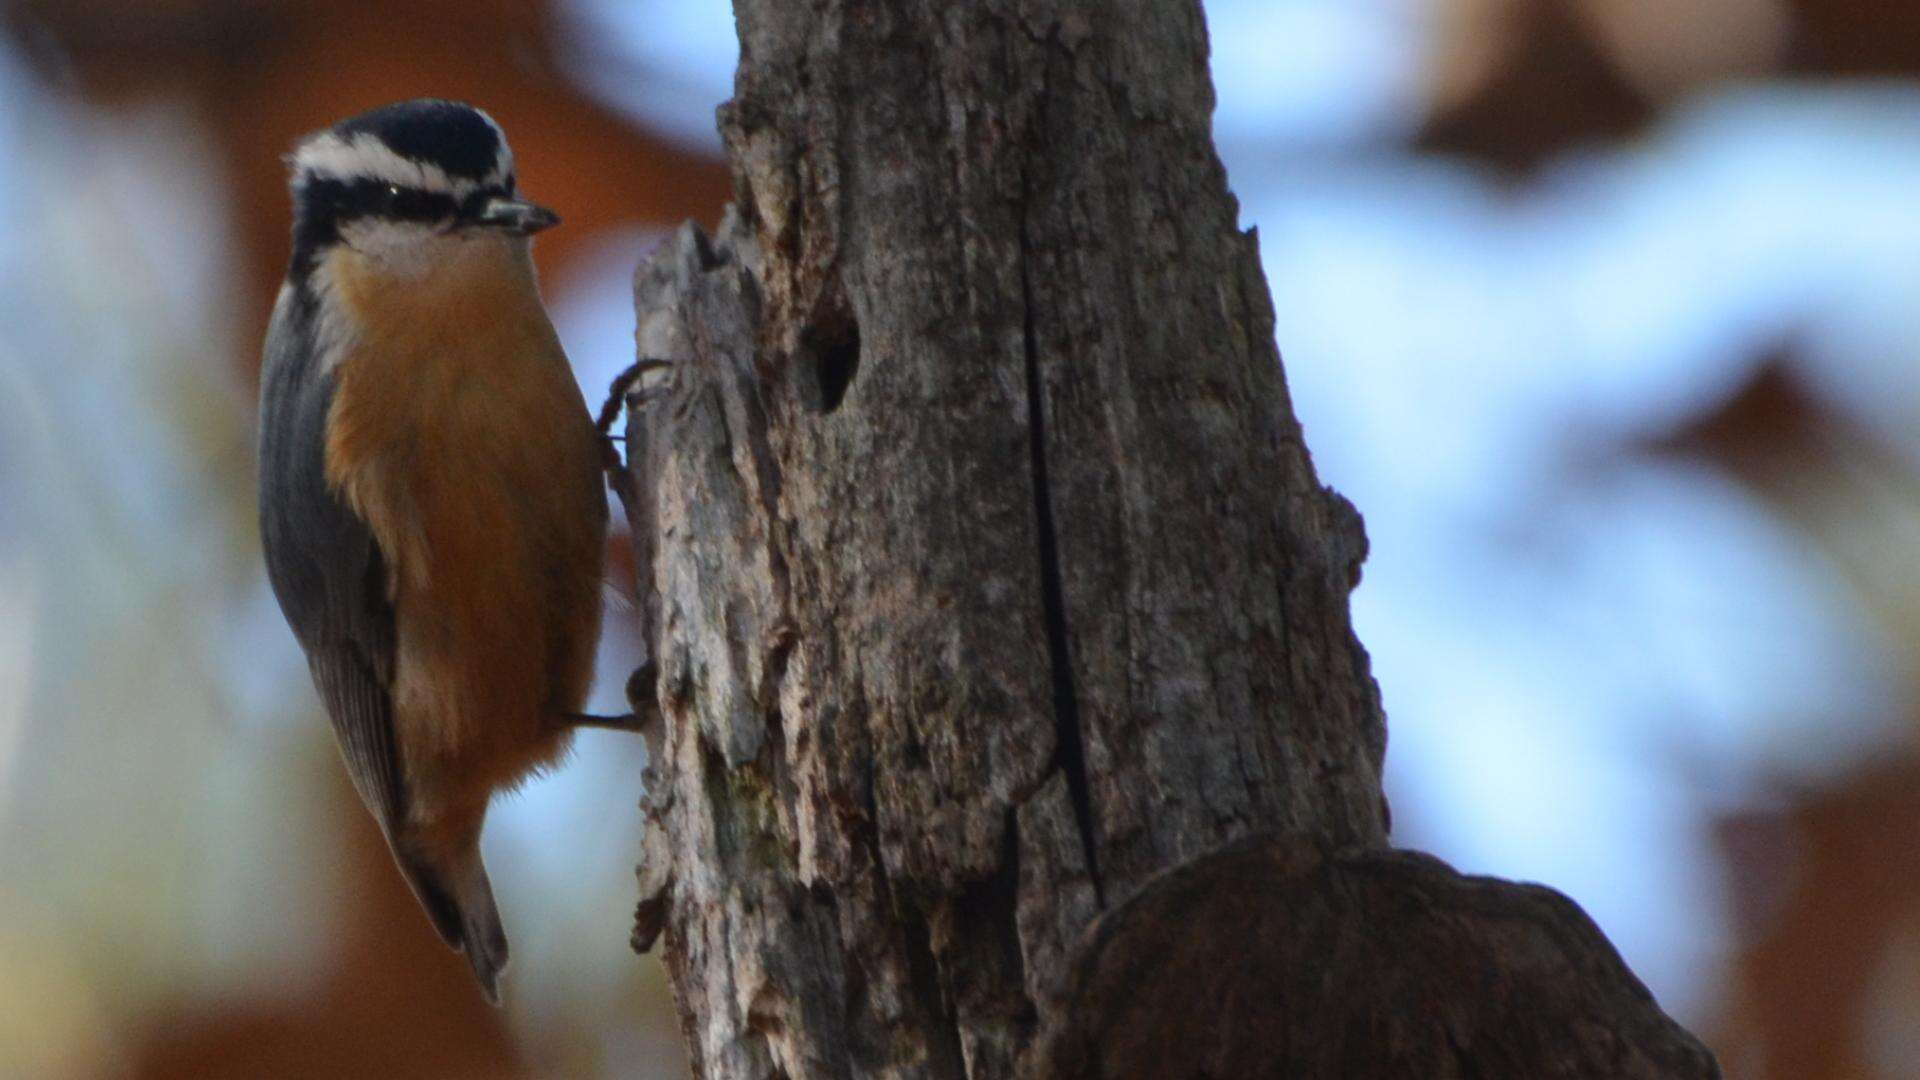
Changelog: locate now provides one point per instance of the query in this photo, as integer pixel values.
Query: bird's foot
(622, 391)
(624, 722)
(641, 687)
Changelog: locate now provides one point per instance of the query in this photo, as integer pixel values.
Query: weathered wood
(992, 575)
(1273, 957)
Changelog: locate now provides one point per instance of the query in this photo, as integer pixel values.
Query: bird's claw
(625, 391)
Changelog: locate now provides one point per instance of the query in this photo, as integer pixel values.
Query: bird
(430, 498)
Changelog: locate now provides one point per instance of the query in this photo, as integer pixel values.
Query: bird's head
(405, 182)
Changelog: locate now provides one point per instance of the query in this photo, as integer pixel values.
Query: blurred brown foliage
(262, 73)
(1828, 883)
(393, 1002)
(1831, 878)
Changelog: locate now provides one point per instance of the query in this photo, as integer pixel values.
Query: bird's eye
(392, 194)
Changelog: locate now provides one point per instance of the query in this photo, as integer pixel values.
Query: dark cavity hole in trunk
(829, 360)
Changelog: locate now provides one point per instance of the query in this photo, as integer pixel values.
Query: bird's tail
(458, 898)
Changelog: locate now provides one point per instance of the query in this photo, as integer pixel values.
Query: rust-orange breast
(458, 433)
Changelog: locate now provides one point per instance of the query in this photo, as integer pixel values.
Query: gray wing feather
(327, 571)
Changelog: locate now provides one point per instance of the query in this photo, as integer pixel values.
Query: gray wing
(326, 569)
(331, 580)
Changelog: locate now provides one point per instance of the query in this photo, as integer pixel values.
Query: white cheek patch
(404, 249)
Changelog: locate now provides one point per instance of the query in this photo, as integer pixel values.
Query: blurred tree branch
(1015, 721)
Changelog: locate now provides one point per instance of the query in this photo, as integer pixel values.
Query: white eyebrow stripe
(365, 157)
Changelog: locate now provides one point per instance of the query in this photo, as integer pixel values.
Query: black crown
(450, 134)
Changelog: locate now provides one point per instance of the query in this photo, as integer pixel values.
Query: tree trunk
(993, 590)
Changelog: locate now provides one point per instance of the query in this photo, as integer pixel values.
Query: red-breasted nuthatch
(430, 495)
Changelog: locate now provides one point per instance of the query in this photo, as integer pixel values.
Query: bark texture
(1274, 957)
(992, 578)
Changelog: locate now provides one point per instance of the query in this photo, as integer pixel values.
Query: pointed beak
(516, 216)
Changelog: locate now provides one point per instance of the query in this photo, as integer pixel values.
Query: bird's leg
(624, 722)
(617, 393)
(617, 397)
(640, 693)
(642, 685)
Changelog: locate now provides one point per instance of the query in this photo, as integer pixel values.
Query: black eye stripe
(343, 200)
(323, 204)
(419, 205)
(375, 198)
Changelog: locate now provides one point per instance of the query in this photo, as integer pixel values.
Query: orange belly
(465, 444)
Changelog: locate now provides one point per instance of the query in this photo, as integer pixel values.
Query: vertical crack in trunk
(1070, 754)
(945, 1057)
(803, 929)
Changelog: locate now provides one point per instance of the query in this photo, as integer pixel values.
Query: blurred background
(1605, 313)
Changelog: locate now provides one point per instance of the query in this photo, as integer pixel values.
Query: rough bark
(992, 576)
(1274, 957)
